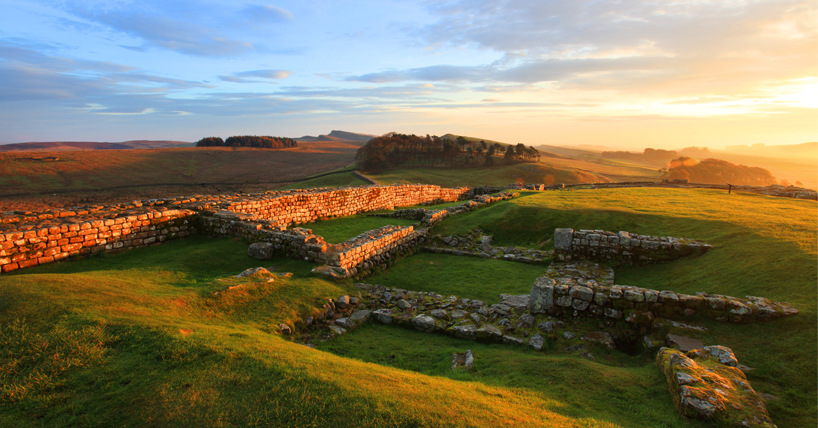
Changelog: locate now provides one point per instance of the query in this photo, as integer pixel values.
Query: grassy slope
(174, 355)
(764, 246)
(333, 180)
(340, 229)
(495, 176)
(80, 177)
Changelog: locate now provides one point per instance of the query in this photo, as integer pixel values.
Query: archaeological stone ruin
(575, 303)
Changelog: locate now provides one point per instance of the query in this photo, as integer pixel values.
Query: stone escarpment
(623, 246)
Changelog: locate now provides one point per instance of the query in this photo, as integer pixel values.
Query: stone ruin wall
(30, 239)
(357, 255)
(567, 297)
(771, 190)
(600, 245)
(364, 251)
(23, 249)
(306, 207)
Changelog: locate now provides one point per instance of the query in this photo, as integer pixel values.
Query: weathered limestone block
(542, 295)
(564, 301)
(563, 238)
(383, 316)
(467, 331)
(423, 323)
(582, 293)
(701, 387)
(489, 333)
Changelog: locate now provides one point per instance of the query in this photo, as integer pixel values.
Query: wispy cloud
(195, 29)
(253, 76)
(266, 14)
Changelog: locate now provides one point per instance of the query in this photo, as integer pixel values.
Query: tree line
(717, 171)
(264, 142)
(395, 150)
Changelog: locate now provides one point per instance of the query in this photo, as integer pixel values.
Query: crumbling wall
(565, 291)
(600, 245)
(363, 252)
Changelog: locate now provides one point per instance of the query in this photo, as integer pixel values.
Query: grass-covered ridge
(158, 348)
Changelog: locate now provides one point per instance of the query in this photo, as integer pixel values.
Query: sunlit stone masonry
(568, 290)
(31, 238)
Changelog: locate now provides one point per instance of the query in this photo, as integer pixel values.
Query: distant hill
(716, 171)
(807, 150)
(340, 136)
(61, 146)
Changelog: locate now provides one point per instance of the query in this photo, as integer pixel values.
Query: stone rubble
(478, 244)
(705, 384)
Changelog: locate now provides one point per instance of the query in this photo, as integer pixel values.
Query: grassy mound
(140, 338)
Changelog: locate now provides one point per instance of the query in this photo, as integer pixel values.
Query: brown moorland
(39, 180)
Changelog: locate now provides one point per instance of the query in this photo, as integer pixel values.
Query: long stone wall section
(570, 290)
(306, 207)
(600, 245)
(28, 239)
(23, 249)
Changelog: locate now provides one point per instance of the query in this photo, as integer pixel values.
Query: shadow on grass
(191, 260)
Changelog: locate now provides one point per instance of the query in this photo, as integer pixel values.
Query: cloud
(28, 75)
(266, 74)
(267, 14)
(161, 27)
(258, 74)
(680, 46)
(545, 70)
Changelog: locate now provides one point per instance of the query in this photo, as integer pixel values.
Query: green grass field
(499, 175)
(140, 339)
(346, 178)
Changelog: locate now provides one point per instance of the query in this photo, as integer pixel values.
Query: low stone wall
(624, 246)
(361, 253)
(771, 190)
(363, 247)
(22, 249)
(562, 293)
(430, 217)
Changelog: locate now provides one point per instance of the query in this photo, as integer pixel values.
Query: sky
(627, 74)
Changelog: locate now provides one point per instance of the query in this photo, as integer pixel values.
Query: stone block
(563, 238)
(582, 293)
(542, 295)
(705, 389)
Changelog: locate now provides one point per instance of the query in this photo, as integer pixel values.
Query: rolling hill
(59, 146)
(338, 136)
